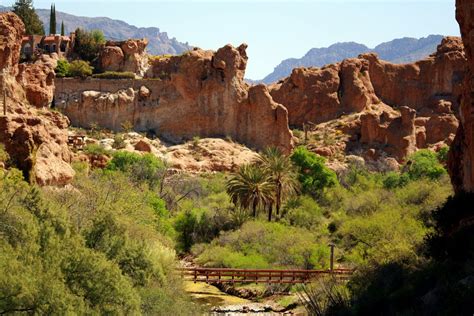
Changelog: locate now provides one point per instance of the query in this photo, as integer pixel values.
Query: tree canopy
(25, 10)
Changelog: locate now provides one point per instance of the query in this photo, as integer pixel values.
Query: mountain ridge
(114, 29)
(399, 50)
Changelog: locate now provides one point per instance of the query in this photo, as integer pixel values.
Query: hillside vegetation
(107, 243)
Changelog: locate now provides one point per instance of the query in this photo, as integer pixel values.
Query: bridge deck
(222, 275)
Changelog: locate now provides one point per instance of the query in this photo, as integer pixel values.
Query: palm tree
(282, 173)
(250, 188)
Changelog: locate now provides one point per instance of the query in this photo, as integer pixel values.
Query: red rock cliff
(461, 158)
(200, 93)
(35, 139)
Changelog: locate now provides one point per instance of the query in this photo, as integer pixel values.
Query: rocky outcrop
(318, 95)
(201, 93)
(124, 56)
(395, 132)
(38, 80)
(35, 139)
(380, 90)
(461, 157)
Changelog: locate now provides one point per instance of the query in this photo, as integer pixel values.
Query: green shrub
(442, 155)
(3, 154)
(394, 180)
(119, 142)
(80, 68)
(63, 69)
(95, 149)
(424, 163)
(279, 245)
(302, 211)
(114, 75)
(314, 176)
(141, 168)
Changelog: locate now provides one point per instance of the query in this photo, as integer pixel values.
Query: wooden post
(207, 276)
(195, 275)
(331, 264)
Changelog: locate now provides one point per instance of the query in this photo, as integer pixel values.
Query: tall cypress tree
(52, 20)
(24, 9)
(62, 28)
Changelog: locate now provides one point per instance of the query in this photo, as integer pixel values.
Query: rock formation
(35, 139)
(461, 157)
(201, 93)
(380, 90)
(123, 56)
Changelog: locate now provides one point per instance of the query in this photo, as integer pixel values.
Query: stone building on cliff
(54, 43)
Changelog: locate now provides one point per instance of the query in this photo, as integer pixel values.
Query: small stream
(223, 304)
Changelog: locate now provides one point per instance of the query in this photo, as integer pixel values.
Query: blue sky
(276, 29)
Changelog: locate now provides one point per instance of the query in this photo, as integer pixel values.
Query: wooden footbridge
(222, 275)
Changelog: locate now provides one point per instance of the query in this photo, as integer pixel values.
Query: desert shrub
(80, 68)
(424, 163)
(394, 180)
(302, 211)
(314, 176)
(141, 168)
(63, 69)
(119, 142)
(3, 154)
(95, 149)
(114, 75)
(442, 155)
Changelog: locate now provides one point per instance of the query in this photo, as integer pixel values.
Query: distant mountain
(401, 50)
(159, 42)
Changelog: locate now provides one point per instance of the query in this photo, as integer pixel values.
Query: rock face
(38, 80)
(461, 157)
(201, 93)
(426, 94)
(126, 55)
(35, 139)
(395, 132)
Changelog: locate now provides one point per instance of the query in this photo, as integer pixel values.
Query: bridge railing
(225, 275)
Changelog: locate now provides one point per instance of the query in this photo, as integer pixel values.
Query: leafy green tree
(80, 68)
(52, 20)
(424, 163)
(314, 176)
(25, 10)
(250, 188)
(62, 29)
(282, 175)
(88, 43)
(186, 224)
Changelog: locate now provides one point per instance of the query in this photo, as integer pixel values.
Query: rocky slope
(201, 93)
(462, 150)
(402, 107)
(35, 138)
(402, 50)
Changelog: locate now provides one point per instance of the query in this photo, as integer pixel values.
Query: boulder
(124, 56)
(143, 146)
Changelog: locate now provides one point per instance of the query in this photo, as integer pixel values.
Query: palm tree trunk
(270, 211)
(254, 208)
(278, 199)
